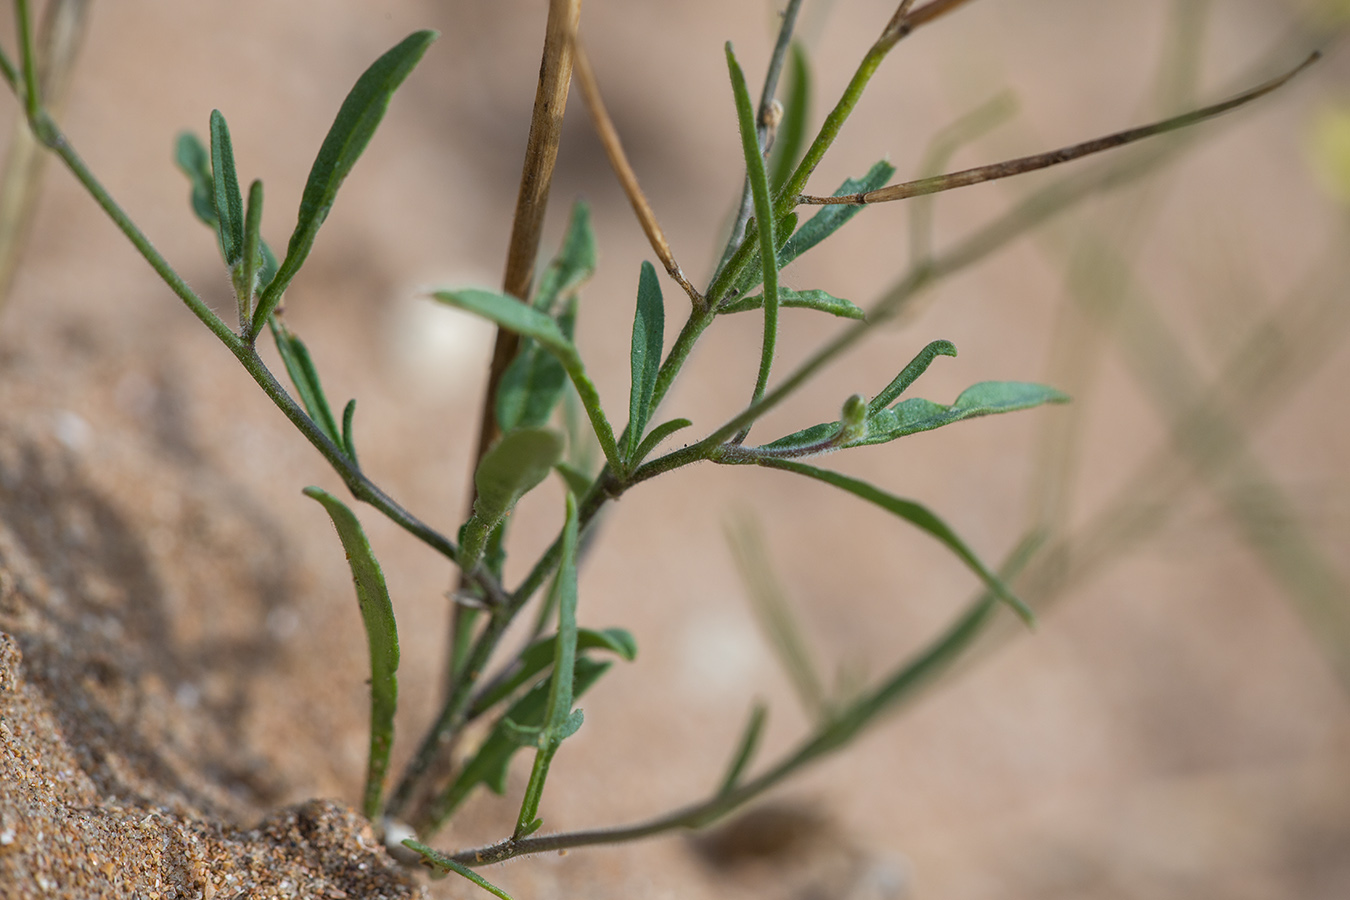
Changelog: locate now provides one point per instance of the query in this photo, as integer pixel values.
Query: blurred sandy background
(1170, 730)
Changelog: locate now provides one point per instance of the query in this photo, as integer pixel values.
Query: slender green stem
(32, 100)
(932, 661)
(361, 487)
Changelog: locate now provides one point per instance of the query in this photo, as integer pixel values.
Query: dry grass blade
(1054, 157)
(609, 138)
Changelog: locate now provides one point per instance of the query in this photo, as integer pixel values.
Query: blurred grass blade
(574, 264)
(918, 516)
(818, 300)
(444, 865)
(787, 146)
(910, 373)
(745, 750)
(820, 226)
(295, 356)
(539, 656)
(192, 158)
(560, 721)
(774, 614)
(509, 313)
(377, 613)
(764, 218)
(513, 467)
(351, 131)
(649, 324)
(229, 202)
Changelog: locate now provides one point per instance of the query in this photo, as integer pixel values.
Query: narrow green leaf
(535, 382)
(831, 218)
(513, 467)
(351, 131)
(984, 399)
(509, 313)
(377, 613)
(916, 515)
(348, 442)
(657, 435)
(813, 299)
(192, 158)
(539, 657)
(229, 203)
(745, 750)
(559, 720)
(295, 356)
(245, 273)
(910, 373)
(445, 865)
(787, 147)
(649, 324)
(574, 264)
(759, 187)
(779, 624)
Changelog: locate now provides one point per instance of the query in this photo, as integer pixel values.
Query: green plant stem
(918, 672)
(45, 130)
(32, 100)
(762, 129)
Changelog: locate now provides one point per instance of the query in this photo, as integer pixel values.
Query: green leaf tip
(355, 125)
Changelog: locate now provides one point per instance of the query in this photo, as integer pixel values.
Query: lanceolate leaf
(649, 323)
(229, 202)
(295, 356)
(787, 147)
(510, 470)
(759, 188)
(656, 436)
(984, 399)
(351, 131)
(377, 613)
(820, 226)
(910, 373)
(535, 381)
(813, 299)
(574, 264)
(527, 321)
(915, 514)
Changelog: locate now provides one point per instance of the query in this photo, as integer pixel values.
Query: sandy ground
(181, 670)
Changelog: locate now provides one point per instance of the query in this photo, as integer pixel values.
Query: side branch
(623, 170)
(1010, 167)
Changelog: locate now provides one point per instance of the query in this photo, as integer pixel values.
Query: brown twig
(618, 161)
(541, 152)
(1053, 158)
